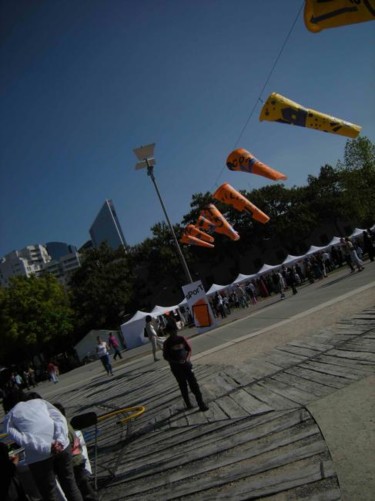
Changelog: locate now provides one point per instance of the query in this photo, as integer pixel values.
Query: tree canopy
(36, 317)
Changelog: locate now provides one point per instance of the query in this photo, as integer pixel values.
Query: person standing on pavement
(53, 372)
(79, 462)
(368, 246)
(346, 252)
(353, 255)
(152, 336)
(177, 351)
(113, 343)
(102, 351)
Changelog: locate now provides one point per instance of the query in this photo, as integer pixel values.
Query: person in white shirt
(152, 336)
(102, 350)
(38, 427)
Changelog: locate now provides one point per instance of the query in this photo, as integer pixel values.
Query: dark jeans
(106, 364)
(83, 482)
(116, 354)
(185, 376)
(44, 472)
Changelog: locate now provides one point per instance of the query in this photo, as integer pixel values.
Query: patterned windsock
(278, 108)
(228, 195)
(221, 224)
(242, 160)
(320, 15)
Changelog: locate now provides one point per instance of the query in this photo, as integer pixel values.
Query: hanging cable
(259, 98)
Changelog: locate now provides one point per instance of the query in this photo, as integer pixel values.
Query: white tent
(292, 259)
(160, 310)
(241, 278)
(216, 288)
(87, 346)
(267, 267)
(132, 330)
(314, 249)
(334, 241)
(356, 232)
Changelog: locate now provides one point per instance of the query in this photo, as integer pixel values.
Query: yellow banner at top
(320, 15)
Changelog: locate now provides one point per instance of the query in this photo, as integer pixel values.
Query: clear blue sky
(83, 82)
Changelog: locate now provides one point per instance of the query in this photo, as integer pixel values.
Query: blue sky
(84, 82)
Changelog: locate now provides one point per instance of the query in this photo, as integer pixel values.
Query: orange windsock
(188, 239)
(205, 224)
(192, 231)
(221, 224)
(228, 195)
(242, 160)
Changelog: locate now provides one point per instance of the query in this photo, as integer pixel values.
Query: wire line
(259, 98)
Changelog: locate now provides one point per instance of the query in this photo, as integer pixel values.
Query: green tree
(358, 179)
(158, 267)
(101, 289)
(35, 317)
(325, 196)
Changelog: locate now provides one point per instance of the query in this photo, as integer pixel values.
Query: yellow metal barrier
(135, 411)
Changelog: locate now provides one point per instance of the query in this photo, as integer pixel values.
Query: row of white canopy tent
(290, 259)
(132, 330)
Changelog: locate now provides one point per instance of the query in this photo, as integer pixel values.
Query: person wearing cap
(177, 351)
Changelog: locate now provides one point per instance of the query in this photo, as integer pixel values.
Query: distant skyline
(84, 83)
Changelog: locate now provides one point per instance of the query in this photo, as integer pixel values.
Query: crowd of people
(314, 267)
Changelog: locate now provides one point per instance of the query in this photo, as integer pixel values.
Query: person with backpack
(177, 351)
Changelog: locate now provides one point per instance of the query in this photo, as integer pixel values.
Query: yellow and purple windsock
(222, 226)
(242, 160)
(228, 195)
(278, 108)
(190, 240)
(193, 231)
(320, 15)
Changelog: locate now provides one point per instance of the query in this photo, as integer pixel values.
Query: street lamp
(145, 155)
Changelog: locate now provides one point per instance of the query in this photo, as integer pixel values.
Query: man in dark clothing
(177, 352)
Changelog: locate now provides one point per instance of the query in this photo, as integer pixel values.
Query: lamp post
(145, 155)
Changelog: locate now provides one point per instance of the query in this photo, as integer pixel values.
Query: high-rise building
(65, 260)
(57, 258)
(25, 262)
(107, 228)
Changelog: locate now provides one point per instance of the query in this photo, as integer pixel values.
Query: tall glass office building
(107, 228)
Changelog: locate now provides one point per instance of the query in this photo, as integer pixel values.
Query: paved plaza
(290, 389)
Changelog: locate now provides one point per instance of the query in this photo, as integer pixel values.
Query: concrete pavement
(250, 368)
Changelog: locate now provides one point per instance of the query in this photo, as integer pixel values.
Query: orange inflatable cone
(228, 195)
(189, 240)
(242, 160)
(192, 231)
(205, 224)
(221, 224)
(321, 15)
(278, 108)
